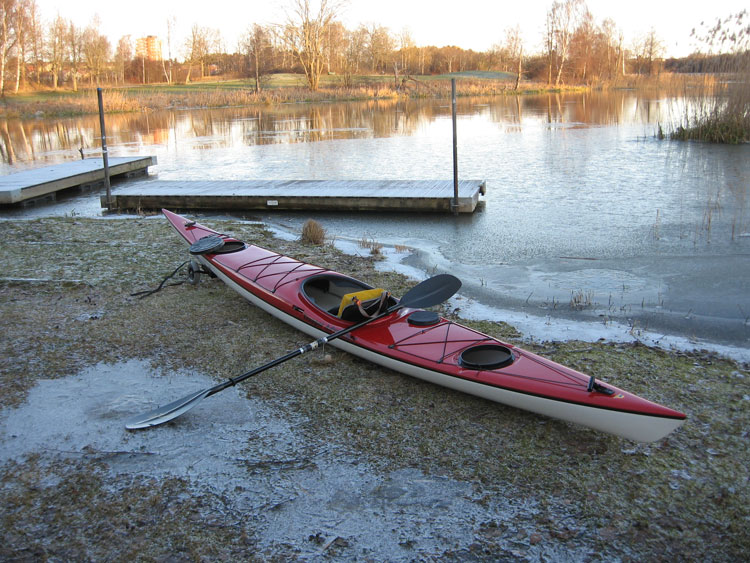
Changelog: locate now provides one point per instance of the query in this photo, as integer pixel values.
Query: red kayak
(416, 342)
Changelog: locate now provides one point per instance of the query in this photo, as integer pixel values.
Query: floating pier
(87, 173)
(300, 195)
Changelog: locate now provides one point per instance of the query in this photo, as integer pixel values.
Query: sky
(469, 24)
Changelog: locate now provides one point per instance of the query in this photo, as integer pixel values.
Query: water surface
(587, 213)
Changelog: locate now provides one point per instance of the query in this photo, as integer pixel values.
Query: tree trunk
(3, 47)
(18, 73)
(520, 69)
(257, 74)
(559, 72)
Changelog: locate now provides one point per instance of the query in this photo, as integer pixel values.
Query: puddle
(301, 497)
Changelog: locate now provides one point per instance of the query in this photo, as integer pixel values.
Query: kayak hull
(436, 352)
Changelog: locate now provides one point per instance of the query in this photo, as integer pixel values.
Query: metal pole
(454, 205)
(105, 158)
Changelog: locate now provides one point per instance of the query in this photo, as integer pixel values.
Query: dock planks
(300, 195)
(40, 182)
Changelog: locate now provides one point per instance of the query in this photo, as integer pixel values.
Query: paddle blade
(166, 413)
(431, 292)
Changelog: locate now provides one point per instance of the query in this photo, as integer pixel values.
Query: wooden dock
(300, 195)
(45, 182)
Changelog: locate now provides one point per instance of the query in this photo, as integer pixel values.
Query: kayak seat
(360, 305)
(328, 292)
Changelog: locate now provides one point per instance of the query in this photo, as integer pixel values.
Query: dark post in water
(454, 205)
(105, 158)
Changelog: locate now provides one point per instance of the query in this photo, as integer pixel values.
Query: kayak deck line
(424, 345)
(45, 182)
(301, 195)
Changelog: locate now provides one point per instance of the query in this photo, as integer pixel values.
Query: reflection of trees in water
(39, 139)
(30, 140)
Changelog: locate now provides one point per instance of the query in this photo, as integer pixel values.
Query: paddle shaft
(298, 352)
(426, 294)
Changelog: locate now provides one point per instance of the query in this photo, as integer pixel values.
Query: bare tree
(564, 16)
(199, 44)
(380, 46)
(305, 34)
(256, 44)
(56, 48)
(649, 50)
(96, 51)
(123, 54)
(74, 50)
(583, 45)
(335, 47)
(166, 65)
(7, 36)
(406, 50)
(356, 50)
(36, 39)
(512, 49)
(613, 43)
(549, 44)
(22, 25)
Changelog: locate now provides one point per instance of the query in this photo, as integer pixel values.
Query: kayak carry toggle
(598, 387)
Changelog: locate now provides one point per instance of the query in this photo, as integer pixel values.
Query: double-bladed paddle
(428, 293)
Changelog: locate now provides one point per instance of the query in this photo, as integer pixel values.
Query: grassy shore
(66, 305)
(277, 89)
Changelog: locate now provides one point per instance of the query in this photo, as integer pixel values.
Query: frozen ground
(298, 495)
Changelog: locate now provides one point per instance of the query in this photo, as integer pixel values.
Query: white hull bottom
(633, 426)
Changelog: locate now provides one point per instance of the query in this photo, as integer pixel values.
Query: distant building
(148, 48)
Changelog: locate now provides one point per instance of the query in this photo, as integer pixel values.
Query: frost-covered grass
(684, 497)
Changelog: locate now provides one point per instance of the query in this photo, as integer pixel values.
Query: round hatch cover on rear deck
(207, 244)
(423, 318)
(486, 356)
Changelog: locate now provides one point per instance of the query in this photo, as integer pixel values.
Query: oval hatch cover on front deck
(486, 356)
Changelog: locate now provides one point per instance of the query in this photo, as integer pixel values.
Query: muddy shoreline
(329, 457)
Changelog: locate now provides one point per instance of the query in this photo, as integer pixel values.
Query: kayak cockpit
(346, 298)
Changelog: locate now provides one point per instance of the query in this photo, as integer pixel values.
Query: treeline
(700, 63)
(576, 49)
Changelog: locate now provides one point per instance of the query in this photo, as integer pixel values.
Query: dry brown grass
(313, 232)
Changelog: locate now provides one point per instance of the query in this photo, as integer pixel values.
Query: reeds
(721, 109)
(372, 245)
(718, 113)
(581, 299)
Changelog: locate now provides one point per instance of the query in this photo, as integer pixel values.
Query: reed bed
(720, 113)
(719, 107)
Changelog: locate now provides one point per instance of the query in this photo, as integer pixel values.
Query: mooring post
(454, 205)
(105, 158)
